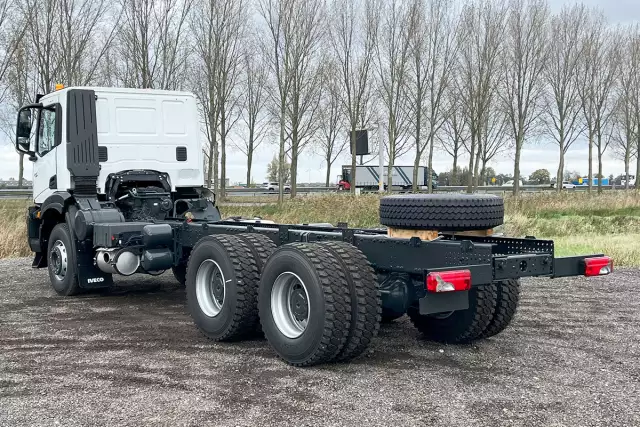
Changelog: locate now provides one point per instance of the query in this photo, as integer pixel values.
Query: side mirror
(23, 129)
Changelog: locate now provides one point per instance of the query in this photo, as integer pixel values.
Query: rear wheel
(304, 304)
(222, 283)
(62, 262)
(462, 326)
(365, 298)
(507, 298)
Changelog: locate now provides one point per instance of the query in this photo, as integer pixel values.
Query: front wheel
(62, 262)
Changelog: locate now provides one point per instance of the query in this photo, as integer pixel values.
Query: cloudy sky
(536, 155)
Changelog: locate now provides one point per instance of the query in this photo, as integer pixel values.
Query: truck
(118, 190)
(367, 177)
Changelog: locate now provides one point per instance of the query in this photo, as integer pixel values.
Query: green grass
(578, 223)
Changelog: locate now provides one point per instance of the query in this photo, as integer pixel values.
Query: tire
(314, 276)
(180, 273)
(447, 212)
(230, 313)
(366, 303)
(463, 326)
(507, 298)
(62, 262)
(261, 247)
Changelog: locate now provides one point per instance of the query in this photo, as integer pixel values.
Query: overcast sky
(535, 155)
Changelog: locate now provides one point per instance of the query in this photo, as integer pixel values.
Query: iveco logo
(95, 280)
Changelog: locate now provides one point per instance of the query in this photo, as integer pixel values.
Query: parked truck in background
(118, 190)
(368, 178)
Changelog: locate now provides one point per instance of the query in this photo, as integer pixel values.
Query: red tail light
(598, 266)
(449, 281)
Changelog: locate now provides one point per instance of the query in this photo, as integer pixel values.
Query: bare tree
(219, 30)
(42, 19)
(524, 61)
(86, 30)
(152, 43)
(454, 135)
(393, 55)
(353, 38)
(254, 115)
(305, 60)
(331, 142)
(433, 46)
(279, 18)
(482, 29)
(625, 120)
(596, 77)
(229, 34)
(19, 86)
(563, 107)
(495, 137)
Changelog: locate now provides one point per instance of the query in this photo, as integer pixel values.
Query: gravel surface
(133, 357)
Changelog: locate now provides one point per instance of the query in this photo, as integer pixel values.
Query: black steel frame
(488, 258)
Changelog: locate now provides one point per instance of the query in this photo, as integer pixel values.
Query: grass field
(579, 223)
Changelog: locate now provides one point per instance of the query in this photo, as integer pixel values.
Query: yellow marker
(59, 86)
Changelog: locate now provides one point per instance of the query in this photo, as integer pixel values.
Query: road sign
(493, 180)
(580, 181)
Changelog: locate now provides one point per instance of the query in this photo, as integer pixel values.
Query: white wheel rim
(210, 287)
(290, 305)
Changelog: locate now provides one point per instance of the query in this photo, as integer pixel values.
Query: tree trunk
(471, 161)
(627, 159)
(281, 155)
(249, 161)
(223, 155)
(516, 165)
(20, 170)
(294, 159)
(454, 172)
(477, 164)
(599, 162)
(294, 173)
(590, 161)
(430, 164)
(560, 173)
(249, 156)
(328, 177)
(416, 166)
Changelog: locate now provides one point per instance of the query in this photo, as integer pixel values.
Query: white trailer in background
(368, 177)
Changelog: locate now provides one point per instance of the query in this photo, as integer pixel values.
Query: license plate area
(516, 266)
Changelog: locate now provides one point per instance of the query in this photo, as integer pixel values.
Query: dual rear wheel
(315, 302)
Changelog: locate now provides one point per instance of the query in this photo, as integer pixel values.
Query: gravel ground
(133, 357)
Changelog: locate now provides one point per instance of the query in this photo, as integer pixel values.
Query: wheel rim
(58, 259)
(290, 305)
(210, 288)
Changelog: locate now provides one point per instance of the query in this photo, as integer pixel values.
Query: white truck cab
(138, 129)
(124, 158)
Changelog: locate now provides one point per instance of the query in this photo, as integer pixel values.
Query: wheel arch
(52, 213)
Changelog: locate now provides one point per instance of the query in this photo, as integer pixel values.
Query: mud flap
(89, 276)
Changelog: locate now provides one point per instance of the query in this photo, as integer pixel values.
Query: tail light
(449, 281)
(600, 266)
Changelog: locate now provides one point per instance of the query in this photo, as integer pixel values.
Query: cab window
(47, 131)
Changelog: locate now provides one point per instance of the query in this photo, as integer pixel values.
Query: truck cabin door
(48, 137)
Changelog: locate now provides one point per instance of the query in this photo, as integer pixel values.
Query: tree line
(476, 79)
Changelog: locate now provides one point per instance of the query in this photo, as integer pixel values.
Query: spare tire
(446, 212)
